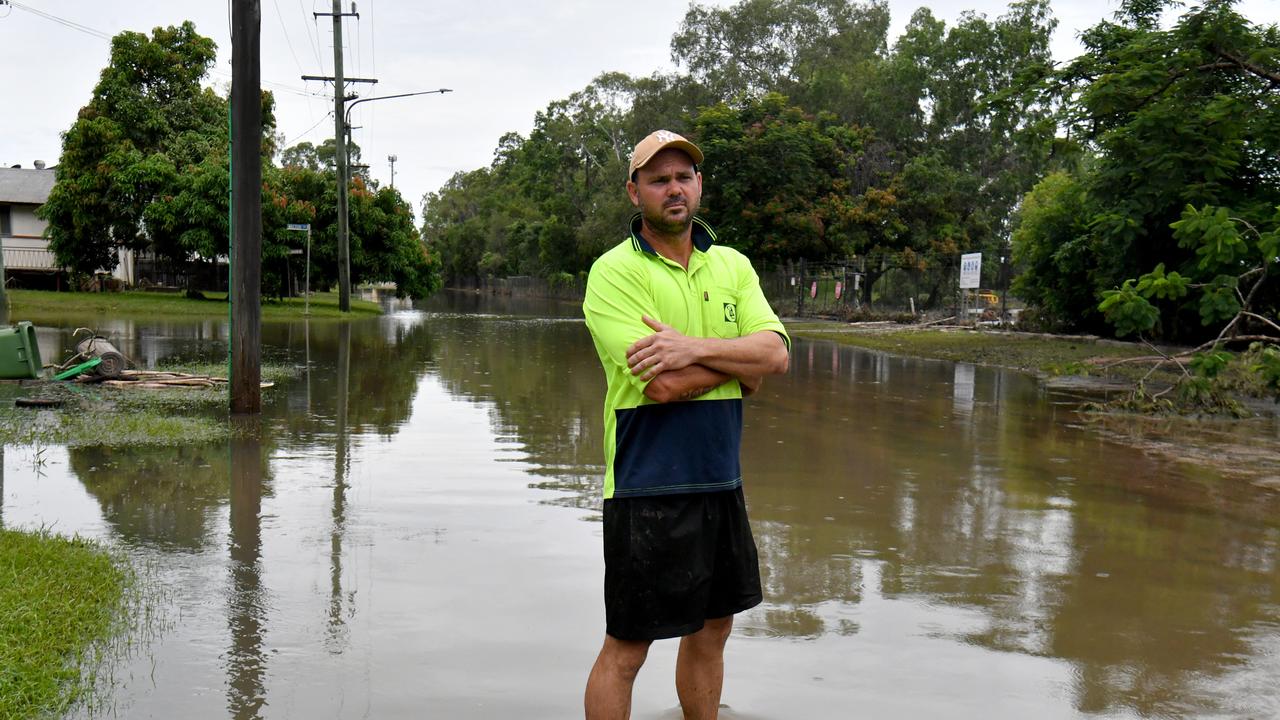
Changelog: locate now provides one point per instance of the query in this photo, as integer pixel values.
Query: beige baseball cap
(657, 141)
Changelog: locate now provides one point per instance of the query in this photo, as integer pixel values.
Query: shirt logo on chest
(730, 312)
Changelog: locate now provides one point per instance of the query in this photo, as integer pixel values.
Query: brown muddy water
(416, 535)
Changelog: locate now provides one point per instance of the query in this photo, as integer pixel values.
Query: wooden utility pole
(246, 207)
(340, 149)
(340, 157)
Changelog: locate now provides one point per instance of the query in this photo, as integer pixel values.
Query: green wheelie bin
(19, 353)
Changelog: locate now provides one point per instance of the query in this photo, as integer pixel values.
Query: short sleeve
(615, 302)
(754, 312)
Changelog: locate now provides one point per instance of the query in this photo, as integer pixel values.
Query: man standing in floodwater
(683, 332)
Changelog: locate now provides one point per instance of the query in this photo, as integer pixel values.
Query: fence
(884, 287)
(842, 290)
(151, 272)
(859, 287)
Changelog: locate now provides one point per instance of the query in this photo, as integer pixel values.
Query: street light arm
(347, 119)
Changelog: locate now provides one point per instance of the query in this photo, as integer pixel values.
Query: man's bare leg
(700, 669)
(608, 694)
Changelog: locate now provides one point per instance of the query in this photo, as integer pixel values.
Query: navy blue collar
(703, 235)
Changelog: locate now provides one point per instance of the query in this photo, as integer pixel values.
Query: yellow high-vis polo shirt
(677, 447)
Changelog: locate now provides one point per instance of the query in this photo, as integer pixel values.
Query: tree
(759, 46)
(779, 187)
(385, 245)
(479, 215)
(317, 157)
(1051, 243)
(1241, 258)
(146, 167)
(822, 141)
(1176, 117)
(148, 120)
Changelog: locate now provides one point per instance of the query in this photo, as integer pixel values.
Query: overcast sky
(504, 59)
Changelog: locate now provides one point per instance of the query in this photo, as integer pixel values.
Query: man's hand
(667, 349)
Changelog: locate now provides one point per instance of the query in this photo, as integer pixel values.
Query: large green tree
(779, 186)
(145, 167)
(1174, 117)
(384, 242)
(148, 121)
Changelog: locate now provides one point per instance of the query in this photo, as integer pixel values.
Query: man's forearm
(753, 356)
(758, 354)
(684, 384)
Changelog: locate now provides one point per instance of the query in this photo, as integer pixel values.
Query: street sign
(304, 227)
(970, 271)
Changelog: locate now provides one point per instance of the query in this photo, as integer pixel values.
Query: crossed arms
(681, 367)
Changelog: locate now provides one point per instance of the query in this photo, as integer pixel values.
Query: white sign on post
(970, 271)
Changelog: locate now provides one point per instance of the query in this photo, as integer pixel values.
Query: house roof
(25, 185)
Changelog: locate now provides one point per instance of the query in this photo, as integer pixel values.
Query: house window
(5, 228)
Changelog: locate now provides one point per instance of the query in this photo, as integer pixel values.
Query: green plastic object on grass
(19, 352)
(72, 372)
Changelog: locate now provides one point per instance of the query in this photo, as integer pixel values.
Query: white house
(26, 251)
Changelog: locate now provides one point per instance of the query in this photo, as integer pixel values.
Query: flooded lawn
(413, 532)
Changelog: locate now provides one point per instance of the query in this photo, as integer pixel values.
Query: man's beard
(656, 218)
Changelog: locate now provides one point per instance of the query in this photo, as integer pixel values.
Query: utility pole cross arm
(331, 78)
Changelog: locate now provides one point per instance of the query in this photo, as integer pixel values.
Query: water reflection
(246, 660)
(160, 496)
(948, 519)
(962, 389)
(379, 362)
(336, 637)
(145, 342)
(959, 485)
(540, 375)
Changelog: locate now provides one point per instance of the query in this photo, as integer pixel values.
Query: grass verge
(37, 305)
(1038, 354)
(1128, 377)
(61, 601)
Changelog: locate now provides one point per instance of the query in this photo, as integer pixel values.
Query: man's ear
(631, 192)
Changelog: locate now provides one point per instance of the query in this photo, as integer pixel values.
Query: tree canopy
(823, 140)
(145, 167)
(1172, 121)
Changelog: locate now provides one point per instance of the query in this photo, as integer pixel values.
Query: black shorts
(672, 562)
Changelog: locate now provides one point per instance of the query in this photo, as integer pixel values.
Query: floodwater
(416, 535)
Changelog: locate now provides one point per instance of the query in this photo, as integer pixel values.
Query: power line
(314, 42)
(63, 21)
(287, 40)
(279, 86)
(304, 133)
(104, 36)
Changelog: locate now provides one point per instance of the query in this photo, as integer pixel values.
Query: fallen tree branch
(1238, 338)
(1266, 320)
(934, 322)
(1106, 363)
